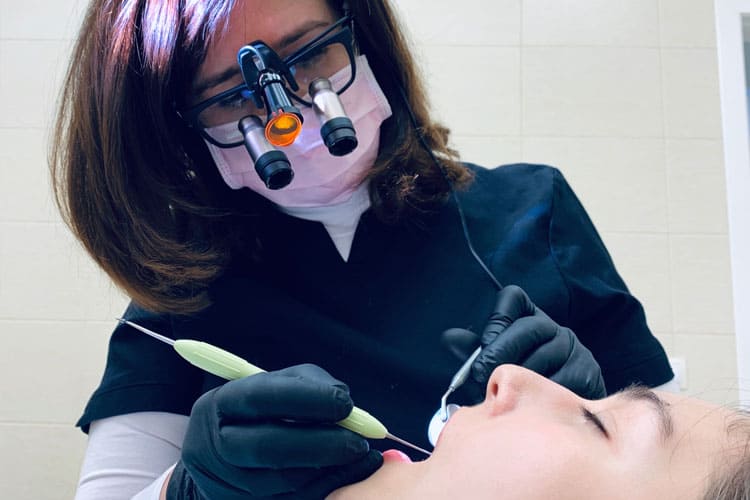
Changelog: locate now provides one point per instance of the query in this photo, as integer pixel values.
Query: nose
(510, 384)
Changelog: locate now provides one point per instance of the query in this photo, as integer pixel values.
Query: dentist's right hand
(271, 436)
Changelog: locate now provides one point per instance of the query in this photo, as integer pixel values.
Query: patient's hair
(732, 482)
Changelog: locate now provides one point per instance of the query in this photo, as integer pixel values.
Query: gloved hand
(271, 436)
(520, 333)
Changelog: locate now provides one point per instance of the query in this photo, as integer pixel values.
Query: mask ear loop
(461, 216)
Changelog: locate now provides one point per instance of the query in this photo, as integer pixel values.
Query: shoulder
(513, 186)
(516, 171)
(537, 177)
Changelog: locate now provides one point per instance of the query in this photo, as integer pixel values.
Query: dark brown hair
(137, 186)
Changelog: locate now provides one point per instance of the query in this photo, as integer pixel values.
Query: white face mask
(319, 178)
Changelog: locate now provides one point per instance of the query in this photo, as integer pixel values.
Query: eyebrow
(202, 85)
(211, 81)
(661, 407)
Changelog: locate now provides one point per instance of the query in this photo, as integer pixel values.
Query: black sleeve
(602, 312)
(142, 374)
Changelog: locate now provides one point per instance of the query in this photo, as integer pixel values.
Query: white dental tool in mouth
(440, 418)
(437, 423)
(457, 381)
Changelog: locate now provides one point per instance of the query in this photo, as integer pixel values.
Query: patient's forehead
(702, 429)
(690, 412)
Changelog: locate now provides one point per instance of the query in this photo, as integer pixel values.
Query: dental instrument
(229, 366)
(437, 423)
(457, 381)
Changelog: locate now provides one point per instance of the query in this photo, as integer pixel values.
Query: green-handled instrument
(226, 365)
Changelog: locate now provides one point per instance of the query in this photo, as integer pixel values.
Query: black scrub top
(375, 321)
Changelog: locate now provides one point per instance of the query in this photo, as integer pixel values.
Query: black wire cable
(461, 216)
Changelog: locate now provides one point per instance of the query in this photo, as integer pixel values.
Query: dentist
(267, 177)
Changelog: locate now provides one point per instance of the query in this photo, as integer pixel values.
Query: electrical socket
(679, 367)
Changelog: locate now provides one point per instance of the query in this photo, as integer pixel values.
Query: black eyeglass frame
(345, 37)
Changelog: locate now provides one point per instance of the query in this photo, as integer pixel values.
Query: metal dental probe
(228, 366)
(457, 381)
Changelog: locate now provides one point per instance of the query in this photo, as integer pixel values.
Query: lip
(396, 456)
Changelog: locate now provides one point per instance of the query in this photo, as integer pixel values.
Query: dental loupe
(266, 76)
(271, 164)
(337, 130)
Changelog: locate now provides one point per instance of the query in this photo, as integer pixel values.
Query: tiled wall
(55, 306)
(621, 96)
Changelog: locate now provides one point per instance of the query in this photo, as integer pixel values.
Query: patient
(532, 439)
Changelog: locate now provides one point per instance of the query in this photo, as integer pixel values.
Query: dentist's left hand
(271, 436)
(520, 333)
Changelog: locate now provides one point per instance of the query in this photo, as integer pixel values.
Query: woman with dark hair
(266, 177)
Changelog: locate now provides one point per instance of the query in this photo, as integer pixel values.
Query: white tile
(591, 92)
(691, 93)
(475, 90)
(711, 365)
(701, 284)
(488, 151)
(45, 275)
(30, 81)
(25, 192)
(470, 22)
(687, 23)
(697, 186)
(40, 462)
(643, 262)
(41, 19)
(621, 182)
(631, 23)
(72, 354)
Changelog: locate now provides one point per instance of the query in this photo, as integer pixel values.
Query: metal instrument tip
(145, 330)
(407, 443)
(444, 405)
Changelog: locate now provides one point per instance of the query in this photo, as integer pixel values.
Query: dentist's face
(532, 439)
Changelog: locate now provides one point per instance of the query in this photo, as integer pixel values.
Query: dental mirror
(437, 424)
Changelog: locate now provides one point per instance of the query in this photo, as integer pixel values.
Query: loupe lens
(274, 169)
(339, 136)
(271, 165)
(337, 130)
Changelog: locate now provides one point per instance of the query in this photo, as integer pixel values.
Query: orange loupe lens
(283, 128)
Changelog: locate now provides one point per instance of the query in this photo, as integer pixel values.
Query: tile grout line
(665, 159)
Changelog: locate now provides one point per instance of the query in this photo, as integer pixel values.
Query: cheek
(518, 458)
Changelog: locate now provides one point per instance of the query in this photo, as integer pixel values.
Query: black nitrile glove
(271, 436)
(520, 333)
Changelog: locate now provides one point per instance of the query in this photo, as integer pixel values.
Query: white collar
(340, 220)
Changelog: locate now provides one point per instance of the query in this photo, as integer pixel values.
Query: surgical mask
(320, 178)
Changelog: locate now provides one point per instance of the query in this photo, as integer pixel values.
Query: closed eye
(591, 417)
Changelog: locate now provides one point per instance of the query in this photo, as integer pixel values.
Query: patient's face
(532, 439)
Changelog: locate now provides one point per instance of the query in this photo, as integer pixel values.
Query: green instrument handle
(226, 365)
(364, 424)
(210, 358)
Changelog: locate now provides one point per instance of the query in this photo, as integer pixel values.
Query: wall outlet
(679, 367)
